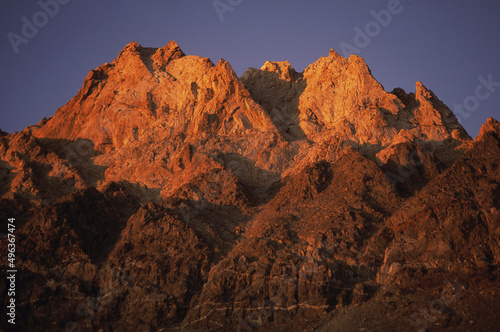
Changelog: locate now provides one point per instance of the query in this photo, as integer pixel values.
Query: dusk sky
(452, 46)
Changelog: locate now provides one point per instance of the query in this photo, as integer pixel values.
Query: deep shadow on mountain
(278, 97)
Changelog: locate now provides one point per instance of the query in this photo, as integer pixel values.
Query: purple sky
(452, 46)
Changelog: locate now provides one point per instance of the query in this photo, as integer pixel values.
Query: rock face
(191, 95)
(463, 203)
(339, 96)
(169, 194)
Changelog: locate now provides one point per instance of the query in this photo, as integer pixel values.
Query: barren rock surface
(169, 195)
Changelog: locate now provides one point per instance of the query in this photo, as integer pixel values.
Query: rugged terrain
(169, 195)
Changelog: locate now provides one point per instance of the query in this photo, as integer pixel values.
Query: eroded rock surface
(169, 194)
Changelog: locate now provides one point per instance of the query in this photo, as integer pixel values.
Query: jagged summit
(491, 126)
(284, 70)
(156, 58)
(143, 111)
(159, 102)
(333, 95)
(169, 194)
(144, 86)
(336, 97)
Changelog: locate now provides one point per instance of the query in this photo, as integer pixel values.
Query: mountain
(169, 194)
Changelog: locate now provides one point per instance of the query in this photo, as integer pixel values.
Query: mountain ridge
(169, 193)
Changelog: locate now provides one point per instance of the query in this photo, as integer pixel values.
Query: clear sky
(452, 46)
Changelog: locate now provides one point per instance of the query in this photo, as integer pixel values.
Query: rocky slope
(169, 194)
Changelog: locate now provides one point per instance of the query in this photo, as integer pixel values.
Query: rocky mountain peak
(490, 127)
(149, 96)
(284, 70)
(171, 51)
(422, 92)
(165, 54)
(334, 54)
(173, 195)
(146, 85)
